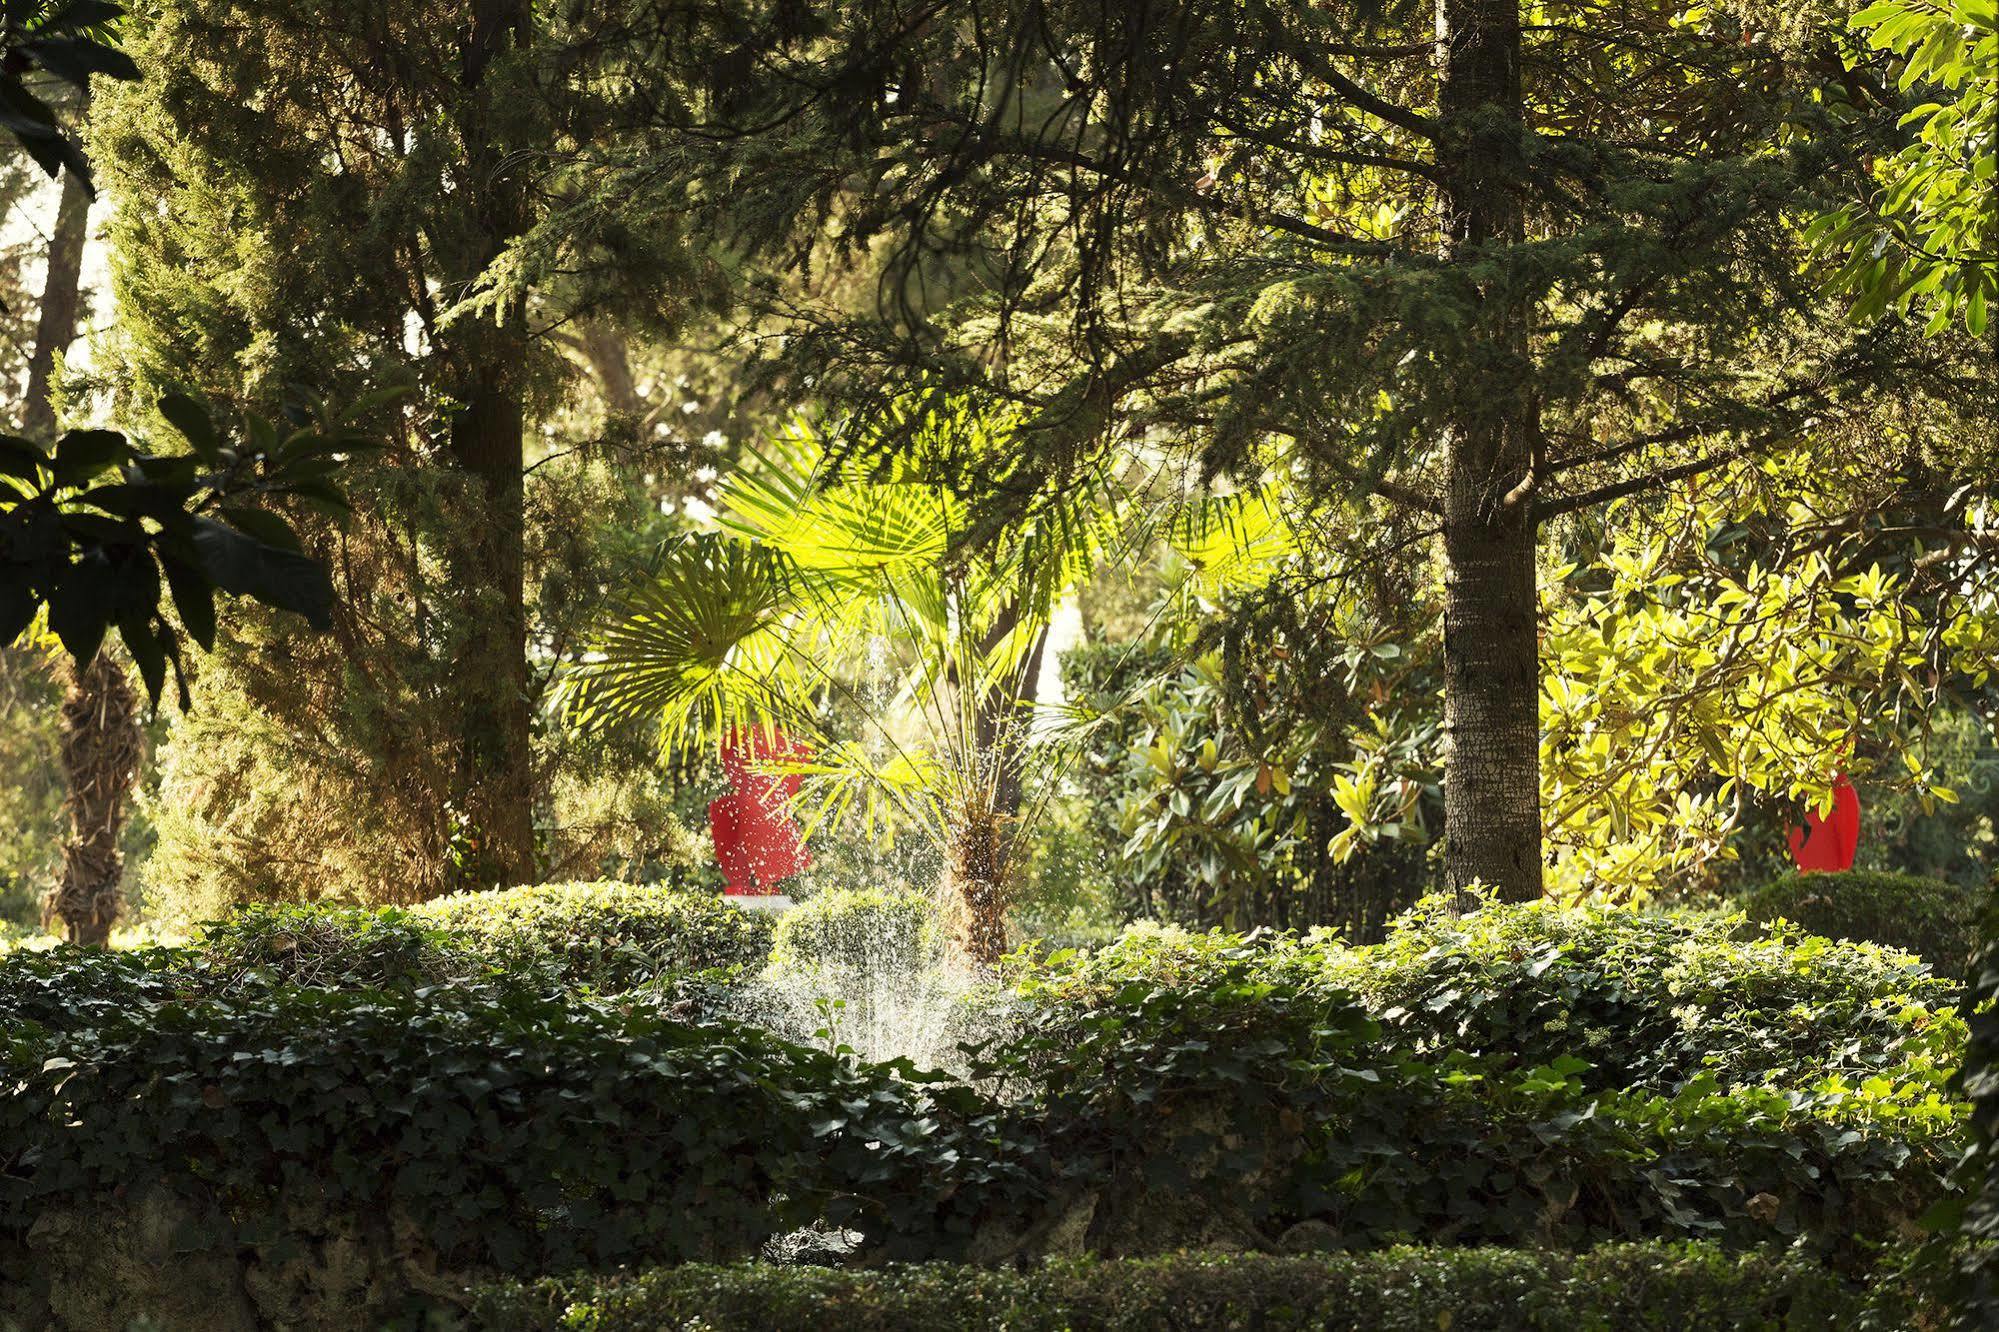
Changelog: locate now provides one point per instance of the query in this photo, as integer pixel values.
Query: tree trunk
(1492, 780)
(977, 858)
(61, 290)
(610, 360)
(497, 761)
(497, 768)
(101, 737)
(101, 747)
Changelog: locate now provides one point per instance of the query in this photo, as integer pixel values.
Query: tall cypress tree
(305, 191)
(1490, 263)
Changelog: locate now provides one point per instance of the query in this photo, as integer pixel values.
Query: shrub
(1219, 1088)
(1651, 1000)
(335, 948)
(859, 930)
(488, 1131)
(1935, 919)
(612, 936)
(1623, 1288)
(63, 988)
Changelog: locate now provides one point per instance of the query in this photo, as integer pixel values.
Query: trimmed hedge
(334, 948)
(1626, 1288)
(1649, 1000)
(506, 1132)
(1935, 919)
(610, 936)
(1170, 1090)
(859, 930)
(1229, 1089)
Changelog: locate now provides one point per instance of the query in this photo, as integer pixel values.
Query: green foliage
(1926, 237)
(1716, 656)
(1654, 1000)
(336, 948)
(31, 785)
(1968, 1226)
(1272, 800)
(1935, 919)
(609, 936)
(859, 930)
(69, 42)
(1214, 1073)
(1169, 1090)
(1615, 1288)
(97, 533)
(508, 1133)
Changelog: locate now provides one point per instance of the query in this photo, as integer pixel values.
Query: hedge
(1233, 1091)
(507, 1132)
(1626, 1288)
(1170, 1091)
(1935, 919)
(610, 936)
(1649, 1000)
(853, 931)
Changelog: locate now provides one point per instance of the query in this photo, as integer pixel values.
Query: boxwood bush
(610, 936)
(1935, 919)
(858, 930)
(1623, 1288)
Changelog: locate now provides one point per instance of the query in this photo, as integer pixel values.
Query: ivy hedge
(1235, 1090)
(487, 1131)
(1620, 1288)
(1648, 1000)
(387, 1076)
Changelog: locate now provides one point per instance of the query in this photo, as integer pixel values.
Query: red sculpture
(1830, 843)
(756, 842)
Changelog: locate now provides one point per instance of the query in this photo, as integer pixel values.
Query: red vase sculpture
(757, 843)
(1830, 843)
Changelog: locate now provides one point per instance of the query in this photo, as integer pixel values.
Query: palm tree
(819, 564)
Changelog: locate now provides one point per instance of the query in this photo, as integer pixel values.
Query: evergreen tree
(1488, 265)
(306, 190)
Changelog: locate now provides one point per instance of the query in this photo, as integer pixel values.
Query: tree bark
(101, 748)
(981, 852)
(1492, 779)
(101, 737)
(62, 289)
(497, 760)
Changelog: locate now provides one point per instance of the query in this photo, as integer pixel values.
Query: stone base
(760, 901)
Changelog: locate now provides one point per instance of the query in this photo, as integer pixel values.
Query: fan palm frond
(701, 647)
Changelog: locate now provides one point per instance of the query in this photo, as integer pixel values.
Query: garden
(1006, 665)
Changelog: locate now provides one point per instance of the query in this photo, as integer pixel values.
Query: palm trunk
(100, 733)
(977, 869)
(1492, 782)
(101, 746)
(982, 836)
